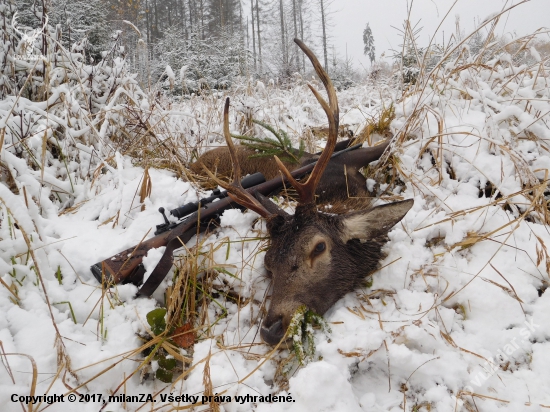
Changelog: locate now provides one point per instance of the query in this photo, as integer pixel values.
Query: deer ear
(374, 222)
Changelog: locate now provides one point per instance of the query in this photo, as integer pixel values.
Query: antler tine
(306, 191)
(231, 146)
(235, 189)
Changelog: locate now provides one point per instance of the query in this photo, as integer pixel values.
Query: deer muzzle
(273, 333)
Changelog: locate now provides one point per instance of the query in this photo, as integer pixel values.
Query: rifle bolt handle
(166, 221)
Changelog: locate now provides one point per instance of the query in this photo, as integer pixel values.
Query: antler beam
(306, 191)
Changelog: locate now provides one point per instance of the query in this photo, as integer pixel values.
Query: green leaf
(155, 319)
(167, 363)
(164, 376)
(70, 308)
(59, 275)
(368, 282)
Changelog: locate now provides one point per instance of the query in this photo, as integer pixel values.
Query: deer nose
(272, 334)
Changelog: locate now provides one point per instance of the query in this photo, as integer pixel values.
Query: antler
(235, 189)
(306, 191)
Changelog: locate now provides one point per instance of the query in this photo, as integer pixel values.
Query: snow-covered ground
(456, 318)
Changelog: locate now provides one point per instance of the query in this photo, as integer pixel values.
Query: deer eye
(319, 248)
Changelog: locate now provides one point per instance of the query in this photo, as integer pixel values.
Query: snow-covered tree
(210, 64)
(325, 22)
(83, 22)
(368, 40)
(342, 72)
(223, 16)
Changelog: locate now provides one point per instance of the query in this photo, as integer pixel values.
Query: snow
(171, 76)
(151, 259)
(459, 305)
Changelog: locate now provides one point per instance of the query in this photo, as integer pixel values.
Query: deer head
(314, 258)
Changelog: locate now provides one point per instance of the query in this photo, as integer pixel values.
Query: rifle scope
(247, 182)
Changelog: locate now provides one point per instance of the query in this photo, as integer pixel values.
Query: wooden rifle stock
(127, 267)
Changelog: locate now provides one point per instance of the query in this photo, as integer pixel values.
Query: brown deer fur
(219, 162)
(341, 178)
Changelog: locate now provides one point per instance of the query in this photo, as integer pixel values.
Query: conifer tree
(368, 39)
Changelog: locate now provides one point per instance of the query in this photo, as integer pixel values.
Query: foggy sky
(350, 17)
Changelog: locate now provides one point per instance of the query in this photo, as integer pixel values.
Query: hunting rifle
(127, 267)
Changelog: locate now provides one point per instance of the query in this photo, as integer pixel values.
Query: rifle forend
(127, 267)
